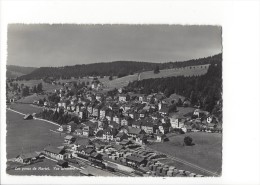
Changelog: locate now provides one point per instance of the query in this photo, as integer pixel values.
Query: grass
(47, 167)
(186, 71)
(206, 153)
(28, 135)
(25, 108)
(120, 82)
(31, 98)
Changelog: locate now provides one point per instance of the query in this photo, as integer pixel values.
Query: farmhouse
(28, 117)
(56, 153)
(27, 158)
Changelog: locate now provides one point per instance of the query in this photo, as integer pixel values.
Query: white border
(240, 22)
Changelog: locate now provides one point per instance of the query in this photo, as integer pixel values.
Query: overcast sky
(60, 45)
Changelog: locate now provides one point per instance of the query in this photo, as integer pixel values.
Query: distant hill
(117, 68)
(13, 71)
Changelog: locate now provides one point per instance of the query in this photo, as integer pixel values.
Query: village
(112, 134)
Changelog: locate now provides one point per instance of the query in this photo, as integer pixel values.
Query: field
(120, 82)
(46, 86)
(28, 135)
(206, 153)
(46, 167)
(25, 108)
(32, 98)
(186, 71)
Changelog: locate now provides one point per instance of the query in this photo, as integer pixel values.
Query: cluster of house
(133, 116)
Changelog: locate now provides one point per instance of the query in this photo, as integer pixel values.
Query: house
(63, 164)
(164, 110)
(117, 118)
(161, 138)
(103, 112)
(62, 104)
(90, 107)
(121, 136)
(56, 153)
(110, 115)
(99, 134)
(69, 139)
(141, 139)
(114, 125)
(99, 97)
(28, 117)
(200, 113)
(148, 126)
(177, 121)
(82, 142)
(142, 113)
(96, 110)
(135, 160)
(109, 134)
(124, 97)
(27, 158)
(134, 132)
(87, 131)
(142, 98)
(126, 121)
(63, 128)
(132, 114)
(163, 128)
(78, 132)
(72, 126)
(137, 124)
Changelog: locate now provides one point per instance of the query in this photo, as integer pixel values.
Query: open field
(28, 135)
(31, 98)
(25, 108)
(46, 86)
(46, 167)
(206, 153)
(120, 82)
(186, 71)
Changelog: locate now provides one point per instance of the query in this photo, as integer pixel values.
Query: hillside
(13, 71)
(204, 90)
(117, 68)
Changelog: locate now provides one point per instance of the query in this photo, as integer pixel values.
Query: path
(34, 117)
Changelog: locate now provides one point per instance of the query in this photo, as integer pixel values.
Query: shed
(63, 164)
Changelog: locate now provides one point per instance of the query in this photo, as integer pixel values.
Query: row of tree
(204, 91)
(59, 117)
(118, 68)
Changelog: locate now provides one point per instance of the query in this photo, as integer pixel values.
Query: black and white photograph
(130, 92)
(114, 100)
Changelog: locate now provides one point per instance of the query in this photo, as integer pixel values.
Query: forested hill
(13, 71)
(205, 90)
(117, 68)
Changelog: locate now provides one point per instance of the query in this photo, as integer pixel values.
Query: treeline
(59, 117)
(204, 91)
(118, 68)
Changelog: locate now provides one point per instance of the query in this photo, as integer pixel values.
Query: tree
(179, 103)
(188, 141)
(25, 91)
(172, 108)
(156, 70)
(39, 87)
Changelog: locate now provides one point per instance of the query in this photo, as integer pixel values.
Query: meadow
(206, 151)
(28, 135)
(186, 71)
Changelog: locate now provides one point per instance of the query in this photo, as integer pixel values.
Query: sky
(45, 45)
